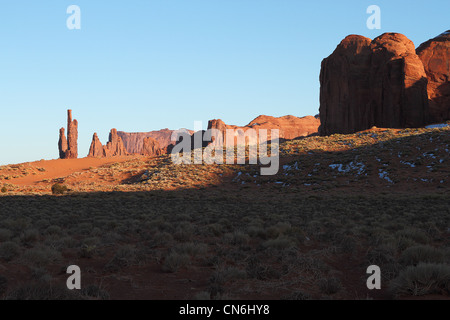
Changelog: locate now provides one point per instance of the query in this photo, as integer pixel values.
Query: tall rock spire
(113, 148)
(68, 148)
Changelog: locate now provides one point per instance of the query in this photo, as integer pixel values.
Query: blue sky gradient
(143, 65)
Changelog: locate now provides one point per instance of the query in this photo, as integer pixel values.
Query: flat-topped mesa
(134, 141)
(68, 148)
(113, 148)
(435, 56)
(289, 127)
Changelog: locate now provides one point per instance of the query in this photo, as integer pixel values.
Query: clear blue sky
(142, 65)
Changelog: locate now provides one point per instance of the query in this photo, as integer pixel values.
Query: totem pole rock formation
(68, 147)
(62, 144)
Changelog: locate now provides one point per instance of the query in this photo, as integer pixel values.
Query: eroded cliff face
(134, 141)
(151, 147)
(365, 83)
(435, 56)
(68, 147)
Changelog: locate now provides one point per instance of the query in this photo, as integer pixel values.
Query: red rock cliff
(366, 83)
(435, 56)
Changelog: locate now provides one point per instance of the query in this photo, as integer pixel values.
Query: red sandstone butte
(435, 56)
(366, 83)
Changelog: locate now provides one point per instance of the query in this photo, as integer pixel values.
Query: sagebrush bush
(297, 295)
(279, 243)
(8, 250)
(42, 291)
(41, 256)
(415, 255)
(124, 257)
(175, 261)
(5, 235)
(329, 285)
(95, 292)
(423, 279)
(3, 285)
(59, 188)
(202, 296)
(192, 249)
(29, 236)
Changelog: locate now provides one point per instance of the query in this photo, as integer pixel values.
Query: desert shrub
(42, 291)
(124, 257)
(348, 244)
(423, 279)
(405, 243)
(41, 256)
(311, 264)
(259, 232)
(4, 190)
(416, 235)
(192, 249)
(215, 229)
(381, 255)
(18, 225)
(202, 296)
(223, 275)
(87, 251)
(174, 261)
(185, 232)
(94, 291)
(329, 285)
(415, 255)
(40, 274)
(5, 235)
(279, 243)
(53, 230)
(3, 285)
(59, 188)
(257, 270)
(8, 250)
(390, 270)
(29, 236)
(297, 295)
(236, 238)
(278, 229)
(162, 238)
